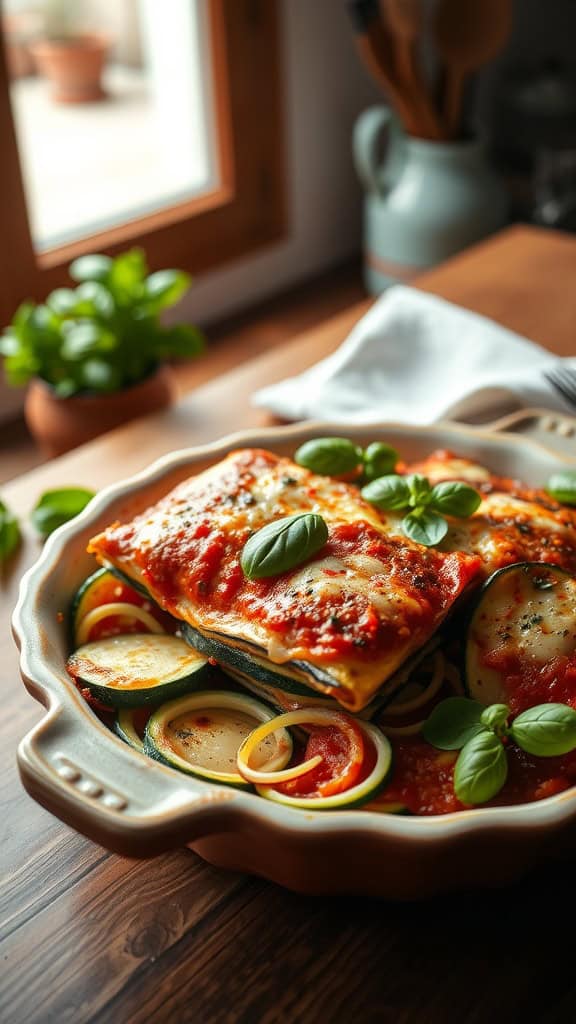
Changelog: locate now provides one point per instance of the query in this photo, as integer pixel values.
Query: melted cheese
(352, 614)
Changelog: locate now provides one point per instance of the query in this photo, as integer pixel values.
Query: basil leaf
(281, 545)
(90, 268)
(562, 486)
(9, 533)
(481, 769)
(547, 730)
(453, 722)
(379, 460)
(56, 507)
(427, 528)
(420, 490)
(495, 717)
(330, 456)
(388, 492)
(455, 499)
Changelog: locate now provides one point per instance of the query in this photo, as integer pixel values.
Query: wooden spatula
(468, 34)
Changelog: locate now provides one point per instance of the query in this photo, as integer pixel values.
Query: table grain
(87, 936)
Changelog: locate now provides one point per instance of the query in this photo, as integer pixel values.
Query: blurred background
(219, 137)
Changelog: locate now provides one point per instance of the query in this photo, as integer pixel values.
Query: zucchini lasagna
(342, 623)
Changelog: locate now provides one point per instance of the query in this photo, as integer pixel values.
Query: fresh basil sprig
(562, 486)
(57, 507)
(282, 545)
(9, 533)
(547, 730)
(425, 523)
(338, 456)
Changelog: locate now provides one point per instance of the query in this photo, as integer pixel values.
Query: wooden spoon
(375, 46)
(468, 34)
(406, 22)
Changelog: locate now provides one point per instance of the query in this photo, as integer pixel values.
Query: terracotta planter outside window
(73, 67)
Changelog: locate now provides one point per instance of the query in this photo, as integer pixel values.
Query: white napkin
(417, 358)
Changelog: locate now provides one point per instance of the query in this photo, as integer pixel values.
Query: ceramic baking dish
(90, 779)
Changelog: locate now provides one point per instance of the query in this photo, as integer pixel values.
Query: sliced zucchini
(251, 664)
(123, 601)
(130, 725)
(356, 795)
(200, 734)
(138, 668)
(525, 618)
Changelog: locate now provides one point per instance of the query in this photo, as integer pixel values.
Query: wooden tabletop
(88, 936)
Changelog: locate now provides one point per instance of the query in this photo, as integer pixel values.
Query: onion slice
(308, 716)
(104, 611)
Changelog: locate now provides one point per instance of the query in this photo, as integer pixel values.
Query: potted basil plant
(95, 355)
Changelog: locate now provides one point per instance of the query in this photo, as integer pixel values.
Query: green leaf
(453, 722)
(9, 533)
(455, 499)
(423, 527)
(66, 387)
(562, 486)
(481, 769)
(329, 456)
(180, 342)
(86, 338)
(98, 375)
(96, 299)
(388, 492)
(547, 730)
(20, 368)
(62, 301)
(9, 344)
(495, 718)
(126, 277)
(57, 507)
(91, 268)
(379, 460)
(281, 545)
(420, 490)
(165, 288)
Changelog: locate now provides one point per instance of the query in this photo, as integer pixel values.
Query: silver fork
(563, 379)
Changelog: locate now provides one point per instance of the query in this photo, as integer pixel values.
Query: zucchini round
(138, 668)
(525, 618)
(130, 726)
(356, 795)
(200, 734)
(105, 588)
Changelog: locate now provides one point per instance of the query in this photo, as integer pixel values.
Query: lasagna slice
(342, 623)
(514, 523)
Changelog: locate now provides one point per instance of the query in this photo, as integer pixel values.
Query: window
(182, 155)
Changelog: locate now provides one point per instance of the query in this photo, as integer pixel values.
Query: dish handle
(554, 430)
(124, 801)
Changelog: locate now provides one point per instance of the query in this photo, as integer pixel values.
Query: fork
(563, 379)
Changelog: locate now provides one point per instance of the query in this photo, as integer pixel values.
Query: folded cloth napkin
(416, 358)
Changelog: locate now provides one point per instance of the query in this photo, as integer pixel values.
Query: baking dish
(86, 776)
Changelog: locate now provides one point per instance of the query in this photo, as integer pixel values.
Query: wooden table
(88, 936)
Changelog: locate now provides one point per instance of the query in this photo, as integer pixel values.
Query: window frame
(243, 213)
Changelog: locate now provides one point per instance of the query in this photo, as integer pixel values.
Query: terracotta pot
(73, 67)
(59, 424)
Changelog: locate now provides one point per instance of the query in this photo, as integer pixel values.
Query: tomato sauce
(527, 682)
(345, 761)
(422, 781)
